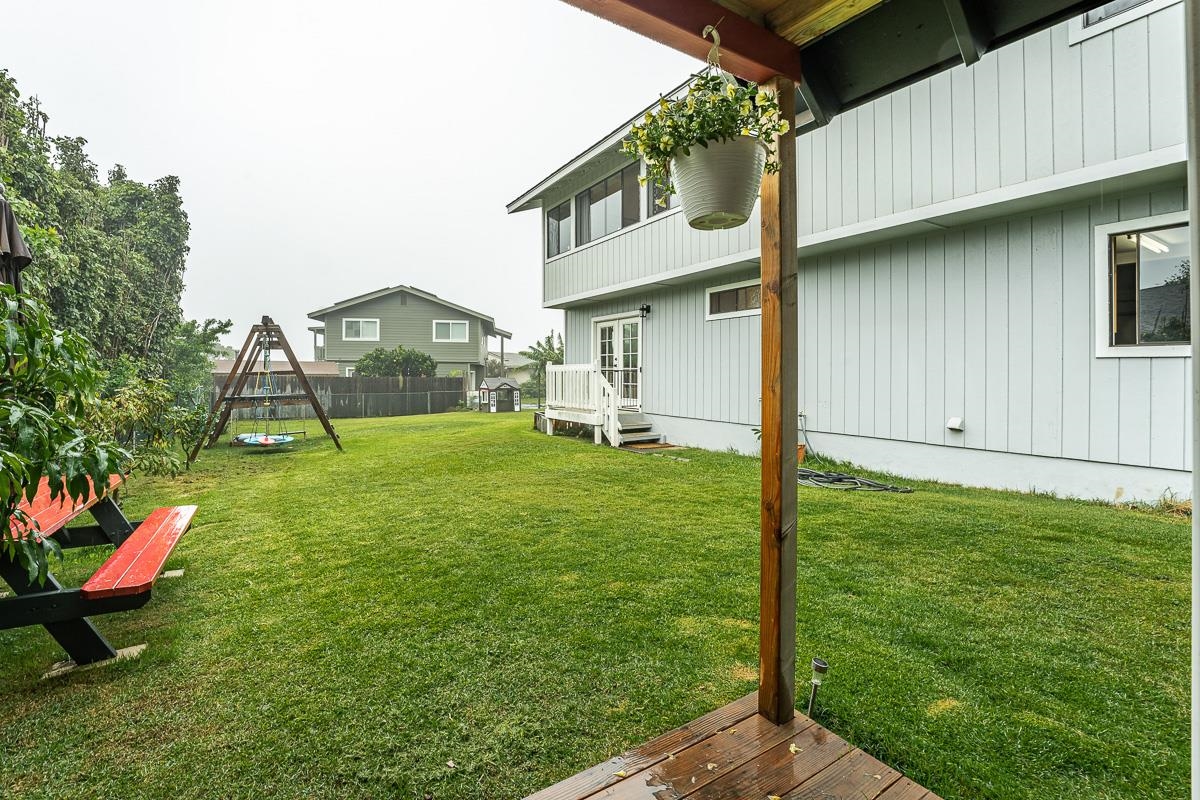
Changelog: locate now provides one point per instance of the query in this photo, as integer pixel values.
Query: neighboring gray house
(517, 366)
(979, 253)
(455, 336)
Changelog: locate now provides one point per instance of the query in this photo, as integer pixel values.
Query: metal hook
(714, 52)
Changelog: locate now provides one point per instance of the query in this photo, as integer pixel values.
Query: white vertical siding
(1036, 107)
(993, 323)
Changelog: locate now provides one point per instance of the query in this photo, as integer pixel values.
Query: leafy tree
(49, 395)
(543, 352)
(400, 361)
(187, 367)
(494, 368)
(378, 363)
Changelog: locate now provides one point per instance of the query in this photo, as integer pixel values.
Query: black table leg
(111, 520)
(79, 637)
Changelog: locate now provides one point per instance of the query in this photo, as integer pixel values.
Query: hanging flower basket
(718, 182)
(712, 146)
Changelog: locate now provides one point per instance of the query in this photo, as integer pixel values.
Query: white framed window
(349, 372)
(451, 330)
(360, 330)
(740, 299)
(558, 229)
(1112, 15)
(1143, 279)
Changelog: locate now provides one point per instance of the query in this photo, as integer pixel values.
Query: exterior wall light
(645, 309)
(819, 668)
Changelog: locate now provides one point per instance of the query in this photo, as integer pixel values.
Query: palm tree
(543, 352)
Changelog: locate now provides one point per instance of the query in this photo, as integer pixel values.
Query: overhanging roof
(843, 53)
(489, 324)
(846, 52)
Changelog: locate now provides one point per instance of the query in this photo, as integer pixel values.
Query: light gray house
(993, 272)
(455, 336)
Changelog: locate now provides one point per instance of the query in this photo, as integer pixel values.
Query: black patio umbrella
(14, 253)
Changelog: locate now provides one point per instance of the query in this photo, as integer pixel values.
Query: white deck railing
(572, 386)
(581, 393)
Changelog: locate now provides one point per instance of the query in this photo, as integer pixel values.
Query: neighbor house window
(360, 330)
(607, 206)
(558, 229)
(349, 372)
(450, 330)
(1145, 287)
(734, 300)
(654, 195)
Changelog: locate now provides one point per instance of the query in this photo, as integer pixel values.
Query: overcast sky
(329, 149)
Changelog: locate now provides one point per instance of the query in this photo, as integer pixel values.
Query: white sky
(327, 148)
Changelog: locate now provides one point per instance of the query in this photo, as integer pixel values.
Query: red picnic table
(123, 581)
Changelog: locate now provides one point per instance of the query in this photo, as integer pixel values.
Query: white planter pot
(718, 184)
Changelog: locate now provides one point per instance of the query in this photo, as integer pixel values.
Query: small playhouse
(499, 394)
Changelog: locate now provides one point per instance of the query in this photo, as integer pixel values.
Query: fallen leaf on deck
(793, 749)
(710, 766)
(621, 773)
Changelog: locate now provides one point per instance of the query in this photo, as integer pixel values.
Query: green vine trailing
(715, 109)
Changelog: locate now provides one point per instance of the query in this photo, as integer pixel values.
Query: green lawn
(458, 588)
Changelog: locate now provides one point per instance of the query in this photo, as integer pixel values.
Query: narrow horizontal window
(1149, 284)
(735, 300)
(1109, 10)
(360, 330)
(451, 330)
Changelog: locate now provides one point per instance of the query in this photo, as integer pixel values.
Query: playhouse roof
(492, 384)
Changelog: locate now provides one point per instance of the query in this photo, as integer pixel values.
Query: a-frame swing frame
(266, 335)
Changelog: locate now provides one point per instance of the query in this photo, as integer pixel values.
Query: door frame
(616, 320)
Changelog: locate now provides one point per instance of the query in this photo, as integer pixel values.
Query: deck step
(637, 438)
(633, 427)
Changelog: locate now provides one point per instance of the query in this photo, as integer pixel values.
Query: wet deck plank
(733, 753)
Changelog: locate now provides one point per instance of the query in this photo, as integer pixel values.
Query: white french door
(619, 353)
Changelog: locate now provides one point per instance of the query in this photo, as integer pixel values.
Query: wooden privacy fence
(362, 397)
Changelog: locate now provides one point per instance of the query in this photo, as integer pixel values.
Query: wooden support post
(303, 379)
(777, 575)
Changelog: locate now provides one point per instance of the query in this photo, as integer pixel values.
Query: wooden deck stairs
(634, 427)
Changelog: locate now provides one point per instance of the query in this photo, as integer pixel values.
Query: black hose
(840, 480)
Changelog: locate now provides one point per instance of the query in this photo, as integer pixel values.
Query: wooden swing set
(265, 401)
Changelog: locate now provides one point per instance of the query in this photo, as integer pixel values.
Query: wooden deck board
(592, 780)
(735, 753)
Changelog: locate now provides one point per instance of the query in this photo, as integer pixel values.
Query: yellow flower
(691, 104)
(649, 118)
(641, 180)
(784, 126)
(762, 98)
(663, 104)
(665, 141)
(745, 131)
(730, 91)
(746, 109)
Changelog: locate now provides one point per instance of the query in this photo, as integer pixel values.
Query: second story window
(558, 229)
(360, 330)
(451, 330)
(654, 194)
(608, 206)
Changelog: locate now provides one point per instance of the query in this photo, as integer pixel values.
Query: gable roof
(492, 384)
(489, 324)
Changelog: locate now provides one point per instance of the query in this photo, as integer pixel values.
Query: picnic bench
(123, 581)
